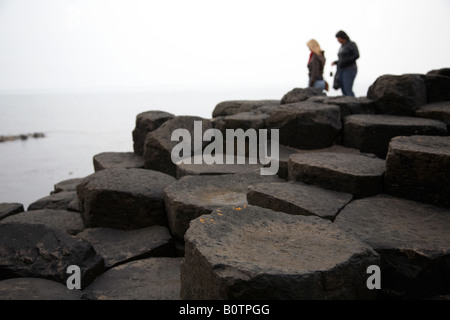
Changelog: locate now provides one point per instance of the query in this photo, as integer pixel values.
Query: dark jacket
(348, 54)
(315, 67)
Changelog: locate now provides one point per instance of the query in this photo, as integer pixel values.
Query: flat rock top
(381, 119)
(257, 240)
(35, 289)
(304, 106)
(67, 221)
(385, 222)
(147, 279)
(7, 209)
(118, 246)
(316, 200)
(161, 137)
(436, 106)
(438, 145)
(345, 162)
(215, 190)
(138, 181)
(226, 108)
(203, 168)
(120, 160)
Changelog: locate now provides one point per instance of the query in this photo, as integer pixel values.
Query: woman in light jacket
(315, 65)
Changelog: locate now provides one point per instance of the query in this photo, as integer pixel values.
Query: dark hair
(343, 35)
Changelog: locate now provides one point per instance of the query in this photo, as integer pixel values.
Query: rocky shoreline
(362, 182)
(22, 137)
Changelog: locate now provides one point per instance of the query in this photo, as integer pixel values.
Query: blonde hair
(314, 47)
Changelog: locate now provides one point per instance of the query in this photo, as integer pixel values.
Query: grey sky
(118, 43)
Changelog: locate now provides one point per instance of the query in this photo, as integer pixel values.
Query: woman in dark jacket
(315, 65)
(346, 63)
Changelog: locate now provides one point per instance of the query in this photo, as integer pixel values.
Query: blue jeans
(346, 79)
(319, 84)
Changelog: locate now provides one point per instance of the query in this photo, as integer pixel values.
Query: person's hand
(333, 63)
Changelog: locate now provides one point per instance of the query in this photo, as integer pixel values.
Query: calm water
(80, 125)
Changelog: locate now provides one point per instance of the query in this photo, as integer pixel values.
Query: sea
(79, 124)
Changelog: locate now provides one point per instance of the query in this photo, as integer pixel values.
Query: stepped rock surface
(146, 122)
(193, 196)
(372, 133)
(146, 227)
(356, 174)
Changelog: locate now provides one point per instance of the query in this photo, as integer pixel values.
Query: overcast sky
(126, 43)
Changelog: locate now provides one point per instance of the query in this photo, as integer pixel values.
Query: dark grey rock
(300, 94)
(185, 169)
(56, 201)
(357, 174)
(243, 120)
(306, 125)
(352, 105)
(7, 209)
(412, 239)
(193, 196)
(109, 160)
(145, 123)
(398, 95)
(256, 253)
(36, 289)
(148, 279)
(158, 144)
(123, 198)
(120, 246)
(438, 87)
(227, 108)
(438, 111)
(372, 133)
(440, 72)
(67, 185)
(298, 198)
(67, 221)
(34, 250)
(418, 168)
